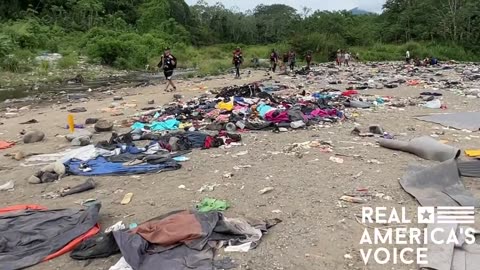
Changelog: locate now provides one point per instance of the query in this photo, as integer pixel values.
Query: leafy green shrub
(68, 61)
(10, 63)
(44, 67)
(322, 45)
(123, 50)
(6, 45)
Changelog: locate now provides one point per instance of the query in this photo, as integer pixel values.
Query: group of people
(428, 61)
(168, 63)
(289, 59)
(343, 58)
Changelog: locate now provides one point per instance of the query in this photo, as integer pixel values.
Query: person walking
(339, 56)
(292, 59)
(168, 63)
(407, 57)
(237, 61)
(347, 58)
(308, 59)
(273, 60)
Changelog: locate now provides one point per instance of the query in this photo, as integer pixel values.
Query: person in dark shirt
(292, 59)
(273, 60)
(237, 61)
(308, 59)
(168, 63)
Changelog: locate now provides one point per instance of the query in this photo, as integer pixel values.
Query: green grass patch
(68, 61)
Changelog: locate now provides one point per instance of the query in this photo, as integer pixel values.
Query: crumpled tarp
(195, 253)
(462, 120)
(424, 147)
(31, 236)
(449, 256)
(101, 166)
(180, 240)
(439, 185)
(469, 168)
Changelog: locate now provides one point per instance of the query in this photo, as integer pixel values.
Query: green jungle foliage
(131, 34)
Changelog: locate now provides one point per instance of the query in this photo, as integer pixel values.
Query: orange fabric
(5, 144)
(177, 228)
(21, 207)
(70, 246)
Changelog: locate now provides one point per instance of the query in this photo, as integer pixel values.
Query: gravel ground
(318, 231)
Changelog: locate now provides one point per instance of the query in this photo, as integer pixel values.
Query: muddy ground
(317, 232)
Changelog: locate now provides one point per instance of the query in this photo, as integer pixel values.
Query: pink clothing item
(239, 108)
(323, 113)
(276, 116)
(213, 114)
(222, 118)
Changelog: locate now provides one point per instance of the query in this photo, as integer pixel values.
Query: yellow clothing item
(473, 152)
(226, 106)
(184, 125)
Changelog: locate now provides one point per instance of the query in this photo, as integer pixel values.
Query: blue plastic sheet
(100, 166)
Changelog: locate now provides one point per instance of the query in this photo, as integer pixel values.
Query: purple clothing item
(277, 116)
(323, 113)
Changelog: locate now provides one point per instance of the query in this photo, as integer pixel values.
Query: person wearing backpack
(168, 63)
(273, 60)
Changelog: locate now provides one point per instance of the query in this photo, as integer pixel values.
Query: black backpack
(174, 65)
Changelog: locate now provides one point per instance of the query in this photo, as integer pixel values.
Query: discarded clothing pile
(248, 107)
(32, 234)
(120, 155)
(179, 240)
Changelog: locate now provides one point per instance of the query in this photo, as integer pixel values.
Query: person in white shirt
(407, 57)
(347, 58)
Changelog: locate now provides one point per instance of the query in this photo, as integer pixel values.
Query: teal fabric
(138, 125)
(170, 124)
(264, 109)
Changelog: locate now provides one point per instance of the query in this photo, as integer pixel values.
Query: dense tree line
(129, 32)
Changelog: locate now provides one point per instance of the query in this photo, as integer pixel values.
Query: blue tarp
(100, 166)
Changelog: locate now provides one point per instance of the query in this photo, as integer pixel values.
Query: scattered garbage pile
(160, 138)
(248, 107)
(178, 240)
(124, 154)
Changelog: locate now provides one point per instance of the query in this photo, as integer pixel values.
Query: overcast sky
(370, 5)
